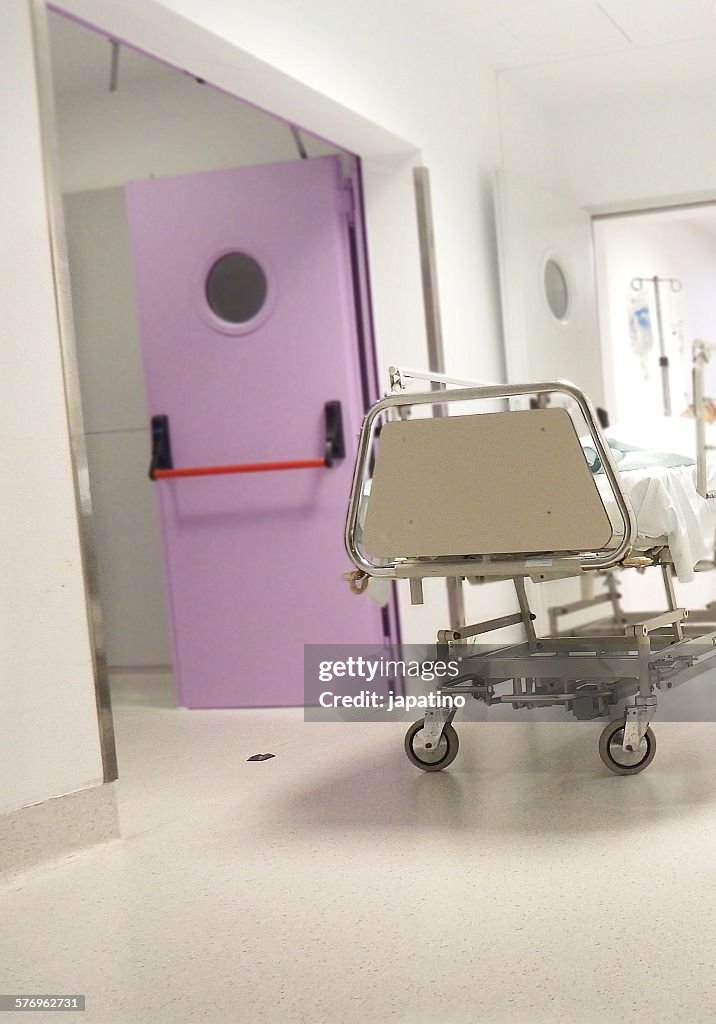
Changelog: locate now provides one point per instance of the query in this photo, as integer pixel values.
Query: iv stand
(636, 284)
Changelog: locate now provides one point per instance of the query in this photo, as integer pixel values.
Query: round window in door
(236, 288)
(556, 289)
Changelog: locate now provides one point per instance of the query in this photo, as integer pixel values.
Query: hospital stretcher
(508, 495)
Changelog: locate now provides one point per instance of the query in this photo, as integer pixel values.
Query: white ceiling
(570, 52)
(654, 74)
(515, 33)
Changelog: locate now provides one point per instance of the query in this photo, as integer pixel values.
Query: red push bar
(162, 467)
(244, 467)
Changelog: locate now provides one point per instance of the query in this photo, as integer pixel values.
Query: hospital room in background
(248, 329)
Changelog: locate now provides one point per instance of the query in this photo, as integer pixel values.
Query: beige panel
(493, 483)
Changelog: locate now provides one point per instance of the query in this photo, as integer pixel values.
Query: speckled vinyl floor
(335, 883)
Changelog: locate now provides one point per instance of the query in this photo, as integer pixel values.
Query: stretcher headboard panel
(492, 483)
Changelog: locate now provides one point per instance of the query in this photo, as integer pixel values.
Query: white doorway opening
(122, 115)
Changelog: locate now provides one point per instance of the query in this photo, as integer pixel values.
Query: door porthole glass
(556, 289)
(236, 288)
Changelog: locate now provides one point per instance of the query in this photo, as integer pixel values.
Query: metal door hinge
(348, 201)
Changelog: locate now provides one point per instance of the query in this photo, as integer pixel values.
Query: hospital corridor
(306, 893)
(358, 584)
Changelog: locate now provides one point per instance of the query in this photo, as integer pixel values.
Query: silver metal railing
(507, 566)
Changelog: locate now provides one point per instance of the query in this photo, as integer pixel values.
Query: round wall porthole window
(556, 290)
(236, 288)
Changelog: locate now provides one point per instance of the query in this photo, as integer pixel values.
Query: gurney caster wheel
(437, 758)
(620, 761)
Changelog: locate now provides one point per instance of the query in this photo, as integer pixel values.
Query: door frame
(71, 383)
(392, 156)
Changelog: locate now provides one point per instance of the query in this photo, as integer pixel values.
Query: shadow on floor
(142, 688)
(539, 779)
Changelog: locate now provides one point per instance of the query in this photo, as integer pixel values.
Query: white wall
(528, 142)
(372, 78)
(49, 741)
(628, 153)
(625, 130)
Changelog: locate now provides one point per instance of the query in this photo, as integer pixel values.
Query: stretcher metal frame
(590, 676)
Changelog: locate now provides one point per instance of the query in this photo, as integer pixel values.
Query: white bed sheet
(665, 500)
(667, 504)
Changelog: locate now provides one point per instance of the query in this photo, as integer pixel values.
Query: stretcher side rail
(546, 565)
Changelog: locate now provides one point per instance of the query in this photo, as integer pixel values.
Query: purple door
(247, 323)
